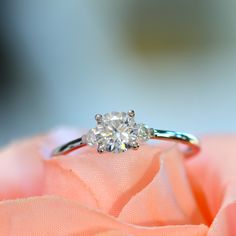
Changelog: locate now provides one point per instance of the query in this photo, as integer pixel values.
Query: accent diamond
(117, 132)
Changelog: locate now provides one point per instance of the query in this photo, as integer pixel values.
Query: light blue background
(78, 62)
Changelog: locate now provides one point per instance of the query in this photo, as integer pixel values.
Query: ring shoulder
(70, 146)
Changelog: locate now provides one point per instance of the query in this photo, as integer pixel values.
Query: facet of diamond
(117, 132)
(143, 132)
(91, 137)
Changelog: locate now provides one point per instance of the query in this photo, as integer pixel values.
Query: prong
(135, 145)
(98, 118)
(131, 113)
(100, 149)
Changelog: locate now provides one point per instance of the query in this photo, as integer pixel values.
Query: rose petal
(63, 182)
(21, 169)
(224, 222)
(113, 179)
(113, 233)
(55, 216)
(212, 174)
(167, 199)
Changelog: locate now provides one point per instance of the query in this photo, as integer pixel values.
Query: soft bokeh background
(61, 61)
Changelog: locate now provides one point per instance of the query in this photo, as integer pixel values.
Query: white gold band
(192, 143)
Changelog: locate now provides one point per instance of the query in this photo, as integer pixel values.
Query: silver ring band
(192, 143)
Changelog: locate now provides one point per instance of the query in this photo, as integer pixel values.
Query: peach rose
(152, 191)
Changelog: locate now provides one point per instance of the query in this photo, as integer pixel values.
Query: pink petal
(54, 216)
(62, 182)
(212, 174)
(167, 199)
(21, 169)
(22, 166)
(224, 222)
(113, 233)
(114, 179)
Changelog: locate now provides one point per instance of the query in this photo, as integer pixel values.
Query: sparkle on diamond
(117, 132)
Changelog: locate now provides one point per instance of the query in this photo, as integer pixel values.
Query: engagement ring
(117, 132)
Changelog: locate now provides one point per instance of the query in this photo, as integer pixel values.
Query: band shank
(189, 140)
(192, 143)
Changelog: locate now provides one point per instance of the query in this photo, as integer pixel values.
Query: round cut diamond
(117, 132)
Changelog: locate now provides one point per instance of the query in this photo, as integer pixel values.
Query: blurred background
(61, 61)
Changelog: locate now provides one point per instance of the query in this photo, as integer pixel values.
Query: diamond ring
(117, 132)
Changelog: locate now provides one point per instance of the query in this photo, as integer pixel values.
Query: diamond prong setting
(100, 149)
(117, 132)
(135, 145)
(131, 113)
(98, 118)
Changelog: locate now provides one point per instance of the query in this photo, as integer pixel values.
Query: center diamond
(117, 132)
